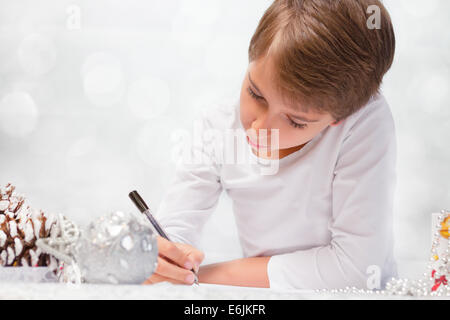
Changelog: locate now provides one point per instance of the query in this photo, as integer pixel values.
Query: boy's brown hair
(325, 55)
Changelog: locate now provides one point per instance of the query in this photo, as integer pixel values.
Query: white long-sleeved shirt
(325, 217)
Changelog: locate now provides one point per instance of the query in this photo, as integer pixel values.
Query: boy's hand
(175, 261)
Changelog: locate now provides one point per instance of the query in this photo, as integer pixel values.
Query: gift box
(440, 268)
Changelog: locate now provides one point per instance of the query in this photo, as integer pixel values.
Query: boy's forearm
(246, 272)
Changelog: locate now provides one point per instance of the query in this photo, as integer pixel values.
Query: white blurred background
(90, 91)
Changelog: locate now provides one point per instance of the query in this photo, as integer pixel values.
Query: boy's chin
(266, 154)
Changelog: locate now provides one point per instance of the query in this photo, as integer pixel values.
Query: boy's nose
(260, 130)
(261, 122)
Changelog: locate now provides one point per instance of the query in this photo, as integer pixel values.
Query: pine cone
(20, 227)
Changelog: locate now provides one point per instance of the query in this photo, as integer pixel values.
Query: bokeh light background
(90, 92)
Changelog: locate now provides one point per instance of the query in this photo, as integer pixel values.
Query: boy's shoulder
(376, 115)
(367, 136)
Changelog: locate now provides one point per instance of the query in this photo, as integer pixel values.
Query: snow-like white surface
(161, 291)
(23, 283)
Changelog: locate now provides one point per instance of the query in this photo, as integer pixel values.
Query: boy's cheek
(244, 117)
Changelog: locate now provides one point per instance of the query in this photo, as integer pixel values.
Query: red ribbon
(438, 282)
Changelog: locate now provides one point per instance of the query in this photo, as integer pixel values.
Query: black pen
(143, 208)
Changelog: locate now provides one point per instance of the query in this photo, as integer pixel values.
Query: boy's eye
(253, 94)
(292, 123)
(297, 125)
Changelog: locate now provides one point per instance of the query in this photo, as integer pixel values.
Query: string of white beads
(407, 287)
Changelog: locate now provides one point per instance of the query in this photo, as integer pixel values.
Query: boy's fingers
(195, 254)
(171, 251)
(172, 271)
(197, 257)
(156, 278)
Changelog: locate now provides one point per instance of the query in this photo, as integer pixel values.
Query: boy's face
(262, 108)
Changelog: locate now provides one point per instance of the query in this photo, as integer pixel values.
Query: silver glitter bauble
(118, 248)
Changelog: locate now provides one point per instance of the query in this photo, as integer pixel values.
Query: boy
(324, 219)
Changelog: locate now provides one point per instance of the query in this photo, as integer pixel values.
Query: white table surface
(23, 288)
(164, 290)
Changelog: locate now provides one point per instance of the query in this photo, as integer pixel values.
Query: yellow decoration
(436, 257)
(445, 226)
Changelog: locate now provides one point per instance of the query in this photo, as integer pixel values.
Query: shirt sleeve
(362, 211)
(194, 192)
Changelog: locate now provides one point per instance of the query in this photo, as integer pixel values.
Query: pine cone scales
(20, 227)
